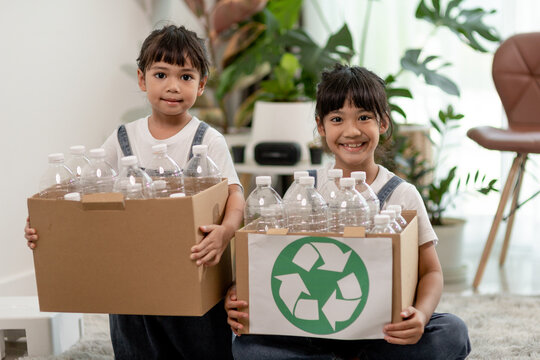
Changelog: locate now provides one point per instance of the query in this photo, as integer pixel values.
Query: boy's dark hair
(364, 88)
(173, 44)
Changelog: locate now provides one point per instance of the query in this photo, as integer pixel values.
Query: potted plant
(442, 187)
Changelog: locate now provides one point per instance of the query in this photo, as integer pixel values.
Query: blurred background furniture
(516, 74)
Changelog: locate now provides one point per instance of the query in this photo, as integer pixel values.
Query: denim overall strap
(197, 139)
(123, 140)
(388, 189)
(313, 172)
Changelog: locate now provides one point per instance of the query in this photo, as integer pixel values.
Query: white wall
(62, 84)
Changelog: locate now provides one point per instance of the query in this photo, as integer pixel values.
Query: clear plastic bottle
(293, 188)
(308, 212)
(58, 180)
(271, 218)
(77, 160)
(131, 173)
(98, 176)
(200, 172)
(347, 208)
(331, 187)
(393, 223)
(399, 218)
(263, 196)
(163, 169)
(367, 192)
(134, 191)
(382, 225)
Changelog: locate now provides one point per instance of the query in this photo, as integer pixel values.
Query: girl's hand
(233, 315)
(30, 234)
(208, 252)
(408, 331)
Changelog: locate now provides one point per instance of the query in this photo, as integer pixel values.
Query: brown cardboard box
(404, 264)
(107, 255)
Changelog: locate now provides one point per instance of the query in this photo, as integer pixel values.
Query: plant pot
(315, 155)
(238, 153)
(450, 249)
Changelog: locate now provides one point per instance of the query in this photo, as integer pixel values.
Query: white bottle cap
(307, 180)
(77, 149)
(396, 208)
(390, 213)
(134, 187)
(177, 195)
(200, 149)
(128, 160)
(299, 174)
(334, 173)
(263, 180)
(159, 149)
(97, 153)
(56, 158)
(359, 175)
(74, 196)
(381, 219)
(159, 184)
(347, 182)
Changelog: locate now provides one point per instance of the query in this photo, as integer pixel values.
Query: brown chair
(516, 74)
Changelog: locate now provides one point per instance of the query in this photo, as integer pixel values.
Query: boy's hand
(30, 234)
(408, 331)
(233, 315)
(208, 251)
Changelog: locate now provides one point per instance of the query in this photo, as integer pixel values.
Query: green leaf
(398, 92)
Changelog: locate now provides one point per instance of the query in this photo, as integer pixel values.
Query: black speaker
(277, 153)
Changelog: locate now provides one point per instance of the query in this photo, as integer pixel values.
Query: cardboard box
(403, 273)
(107, 255)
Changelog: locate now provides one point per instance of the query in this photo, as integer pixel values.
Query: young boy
(173, 70)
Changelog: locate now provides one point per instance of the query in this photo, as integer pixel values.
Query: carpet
(500, 327)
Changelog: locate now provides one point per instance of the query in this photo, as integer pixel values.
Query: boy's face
(352, 135)
(171, 89)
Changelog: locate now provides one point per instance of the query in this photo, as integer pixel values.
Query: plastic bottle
(200, 172)
(293, 189)
(164, 170)
(367, 192)
(347, 208)
(263, 196)
(77, 160)
(331, 186)
(393, 223)
(98, 176)
(308, 212)
(134, 191)
(399, 218)
(382, 225)
(271, 218)
(74, 196)
(58, 180)
(131, 173)
(177, 195)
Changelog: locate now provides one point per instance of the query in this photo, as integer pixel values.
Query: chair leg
(497, 220)
(513, 209)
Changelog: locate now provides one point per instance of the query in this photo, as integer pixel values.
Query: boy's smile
(171, 89)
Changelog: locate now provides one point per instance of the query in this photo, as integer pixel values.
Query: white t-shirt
(178, 146)
(405, 194)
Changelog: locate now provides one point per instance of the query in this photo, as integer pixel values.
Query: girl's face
(352, 134)
(171, 89)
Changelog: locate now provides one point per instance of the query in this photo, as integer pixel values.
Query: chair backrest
(516, 74)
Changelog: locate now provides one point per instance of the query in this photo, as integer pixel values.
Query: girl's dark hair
(364, 88)
(173, 44)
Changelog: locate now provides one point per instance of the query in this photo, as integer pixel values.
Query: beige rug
(500, 327)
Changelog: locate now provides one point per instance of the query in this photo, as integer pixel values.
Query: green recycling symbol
(320, 284)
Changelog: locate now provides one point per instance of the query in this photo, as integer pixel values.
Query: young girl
(351, 113)
(172, 70)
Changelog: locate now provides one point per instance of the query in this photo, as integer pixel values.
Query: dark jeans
(445, 337)
(149, 337)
